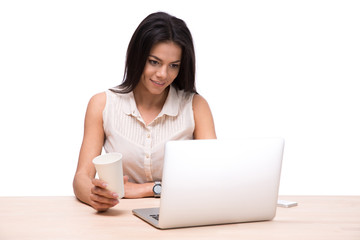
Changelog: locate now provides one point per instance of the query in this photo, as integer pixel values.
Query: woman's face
(161, 68)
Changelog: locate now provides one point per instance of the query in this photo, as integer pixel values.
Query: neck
(145, 99)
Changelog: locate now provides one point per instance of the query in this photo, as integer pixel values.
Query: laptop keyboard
(155, 216)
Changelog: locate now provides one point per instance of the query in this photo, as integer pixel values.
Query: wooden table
(316, 217)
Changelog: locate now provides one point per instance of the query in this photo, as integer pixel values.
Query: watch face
(157, 189)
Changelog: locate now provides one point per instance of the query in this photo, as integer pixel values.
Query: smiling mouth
(158, 83)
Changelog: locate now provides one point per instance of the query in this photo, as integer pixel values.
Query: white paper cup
(109, 169)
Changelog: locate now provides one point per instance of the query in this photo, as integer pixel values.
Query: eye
(174, 65)
(153, 62)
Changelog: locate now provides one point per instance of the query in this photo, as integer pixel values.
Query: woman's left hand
(137, 190)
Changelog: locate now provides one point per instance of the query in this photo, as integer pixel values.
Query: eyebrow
(177, 61)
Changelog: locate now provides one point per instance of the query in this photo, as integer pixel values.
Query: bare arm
(87, 189)
(204, 122)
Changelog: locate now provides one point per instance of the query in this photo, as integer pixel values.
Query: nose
(161, 72)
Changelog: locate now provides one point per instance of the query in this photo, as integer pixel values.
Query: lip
(157, 83)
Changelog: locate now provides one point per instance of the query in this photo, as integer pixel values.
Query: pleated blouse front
(141, 145)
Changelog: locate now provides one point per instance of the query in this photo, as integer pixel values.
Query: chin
(158, 90)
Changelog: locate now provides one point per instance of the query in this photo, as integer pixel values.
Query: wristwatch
(157, 189)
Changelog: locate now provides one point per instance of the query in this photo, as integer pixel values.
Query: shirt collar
(170, 108)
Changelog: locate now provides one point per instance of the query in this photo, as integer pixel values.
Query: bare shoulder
(96, 105)
(98, 99)
(204, 122)
(200, 102)
(97, 102)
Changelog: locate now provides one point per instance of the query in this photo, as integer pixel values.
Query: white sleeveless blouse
(141, 145)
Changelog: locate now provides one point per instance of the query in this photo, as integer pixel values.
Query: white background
(267, 68)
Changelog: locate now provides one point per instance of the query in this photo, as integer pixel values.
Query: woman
(156, 102)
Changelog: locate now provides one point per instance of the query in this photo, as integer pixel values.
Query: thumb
(126, 179)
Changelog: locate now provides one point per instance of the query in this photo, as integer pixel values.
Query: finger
(104, 192)
(100, 188)
(126, 179)
(99, 183)
(101, 207)
(110, 202)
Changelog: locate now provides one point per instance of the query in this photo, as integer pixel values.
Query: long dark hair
(155, 28)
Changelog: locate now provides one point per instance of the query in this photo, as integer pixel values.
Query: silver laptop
(208, 182)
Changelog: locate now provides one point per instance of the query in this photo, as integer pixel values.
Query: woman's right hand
(101, 198)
